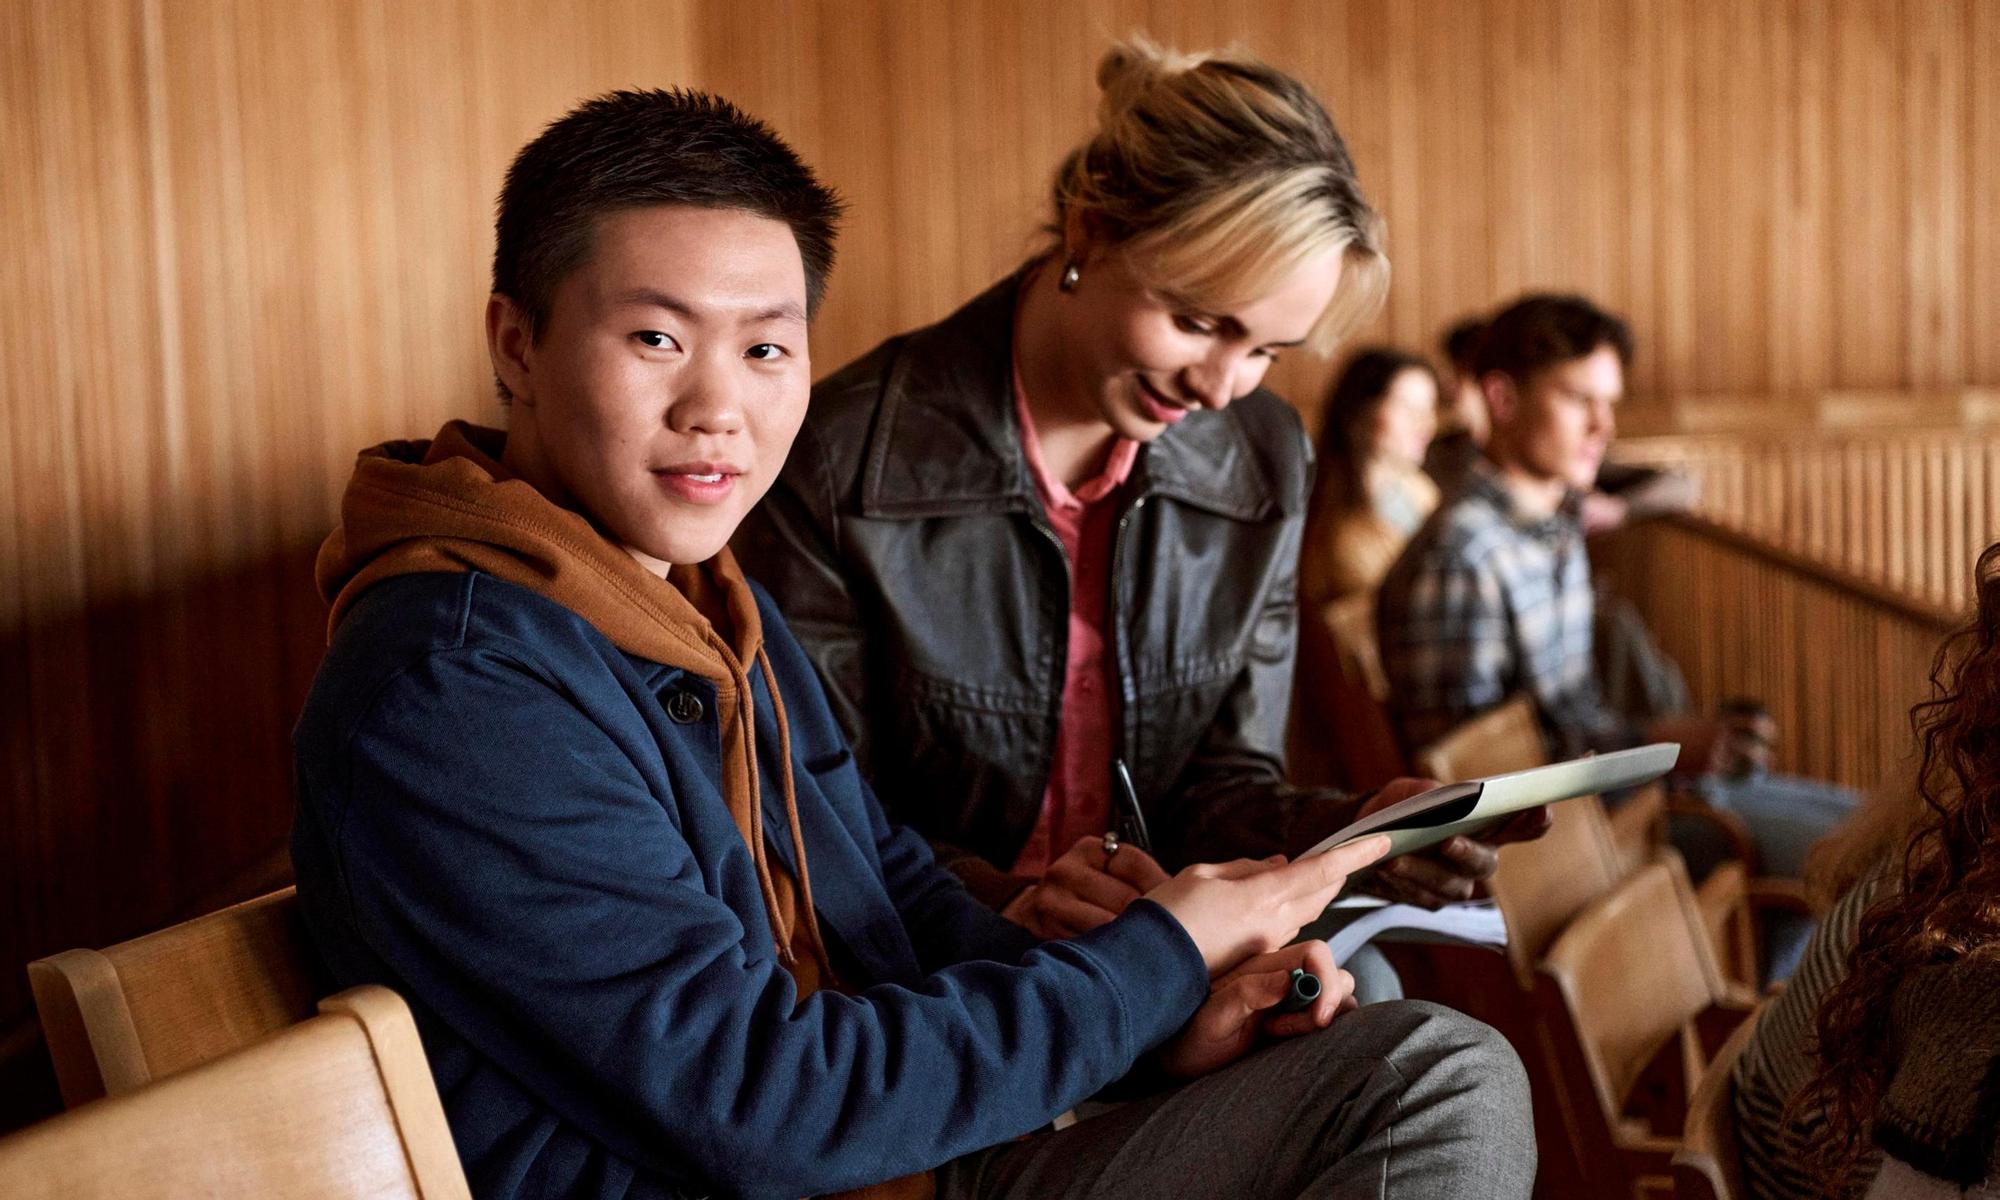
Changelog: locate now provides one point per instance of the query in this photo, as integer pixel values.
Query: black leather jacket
(907, 547)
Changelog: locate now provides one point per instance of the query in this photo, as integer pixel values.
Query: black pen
(1127, 821)
(1305, 990)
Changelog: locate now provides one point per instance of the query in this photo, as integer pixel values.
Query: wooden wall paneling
(1958, 548)
(1841, 711)
(1798, 320)
(1404, 90)
(1673, 200)
(1583, 184)
(1869, 275)
(1727, 254)
(250, 239)
(1452, 145)
(79, 131)
(1981, 243)
(1933, 96)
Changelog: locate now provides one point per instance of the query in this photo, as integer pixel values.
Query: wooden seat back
(1542, 885)
(1507, 737)
(1709, 1164)
(1635, 971)
(342, 1105)
(1341, 732)
(121, 1018)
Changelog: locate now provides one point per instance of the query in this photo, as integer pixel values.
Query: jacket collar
(946, 442)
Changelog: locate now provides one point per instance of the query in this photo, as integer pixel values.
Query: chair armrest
(1779, 893)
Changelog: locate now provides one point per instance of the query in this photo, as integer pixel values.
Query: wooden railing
(1908, 511)
(1839, 659)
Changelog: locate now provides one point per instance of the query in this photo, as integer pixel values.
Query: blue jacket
(503, 817)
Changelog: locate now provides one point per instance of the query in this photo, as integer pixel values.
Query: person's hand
(1236, 909)
(1452, 869)
(1084, 888)
(1238, 1009)
(1751, 734)
(1602, 512)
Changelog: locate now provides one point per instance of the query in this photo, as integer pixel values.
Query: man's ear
(1503, 397)
(510, 343)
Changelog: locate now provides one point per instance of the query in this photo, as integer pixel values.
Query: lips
(698, 482)
(1158, 406)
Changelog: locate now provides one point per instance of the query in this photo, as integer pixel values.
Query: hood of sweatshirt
(448, 504)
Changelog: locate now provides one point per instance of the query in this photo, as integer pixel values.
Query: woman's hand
(1238, 1010)
(1084, 888)
(1236, 909)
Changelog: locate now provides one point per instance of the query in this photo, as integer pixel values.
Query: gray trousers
(1401, 1098)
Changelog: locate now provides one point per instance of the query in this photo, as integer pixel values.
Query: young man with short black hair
(567, 783)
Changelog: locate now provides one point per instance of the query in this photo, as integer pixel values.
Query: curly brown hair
(1948, 901)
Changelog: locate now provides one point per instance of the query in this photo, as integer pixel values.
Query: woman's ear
(1076, 240)
(510, 343)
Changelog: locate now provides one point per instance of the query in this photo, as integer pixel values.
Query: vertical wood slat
(1911, 511)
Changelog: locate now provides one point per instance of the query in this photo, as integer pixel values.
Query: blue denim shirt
(502, 817)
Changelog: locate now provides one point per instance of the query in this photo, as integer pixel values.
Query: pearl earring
(1071, 273)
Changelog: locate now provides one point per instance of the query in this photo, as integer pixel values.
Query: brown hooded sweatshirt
(448, 505)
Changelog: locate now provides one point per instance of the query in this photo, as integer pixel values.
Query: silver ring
(1110, 842)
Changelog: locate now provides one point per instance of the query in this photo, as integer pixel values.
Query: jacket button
(684, 708)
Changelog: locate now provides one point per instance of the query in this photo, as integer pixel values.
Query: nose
(1222, 377)
(1603, 418)
(707, 398)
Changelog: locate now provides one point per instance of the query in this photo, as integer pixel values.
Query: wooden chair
(1501, 739)
(342, 1105)
(1634, 1008)
(1340, 730)
(1709, 1164)
(143, 1010)
(1540, 887)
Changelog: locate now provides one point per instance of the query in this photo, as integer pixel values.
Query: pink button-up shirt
(1078, 800)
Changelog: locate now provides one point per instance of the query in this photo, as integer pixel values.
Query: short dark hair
(1460, 343)
(634, 149)
(1545, 328)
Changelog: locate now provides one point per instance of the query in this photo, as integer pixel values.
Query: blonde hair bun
(1129, 69)
(1219, 174)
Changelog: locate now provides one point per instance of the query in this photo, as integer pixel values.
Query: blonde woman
(1044, 552)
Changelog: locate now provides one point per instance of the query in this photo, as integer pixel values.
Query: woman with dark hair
(1908, 1037)
(1371, 492)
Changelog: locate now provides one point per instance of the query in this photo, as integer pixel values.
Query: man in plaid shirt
(1497, 601)
(1493, 596)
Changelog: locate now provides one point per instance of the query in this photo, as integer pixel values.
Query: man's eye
(765, 351)
(657, 340)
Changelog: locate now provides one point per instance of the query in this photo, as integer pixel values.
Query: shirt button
(684, 708)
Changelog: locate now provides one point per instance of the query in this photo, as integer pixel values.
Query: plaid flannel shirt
(1486, 602)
